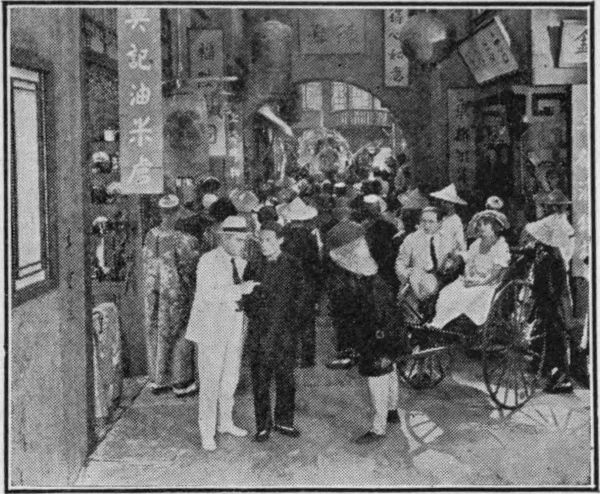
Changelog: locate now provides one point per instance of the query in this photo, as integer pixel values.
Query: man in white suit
(216, 324)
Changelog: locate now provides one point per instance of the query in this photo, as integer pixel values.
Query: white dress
(475, 301)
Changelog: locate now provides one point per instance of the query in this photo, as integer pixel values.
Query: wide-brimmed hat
(169, 201)
(555, 231)
(556, 197)
(343, 233)
(210, 182)
(298, 210)
(245, 201)
(493, 215)
(413, 199)
(449, 194)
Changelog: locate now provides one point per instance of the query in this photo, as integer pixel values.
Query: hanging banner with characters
(395, 62)
(140, 100)
(461, 138)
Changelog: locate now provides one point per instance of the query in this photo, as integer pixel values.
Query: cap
(169, 201)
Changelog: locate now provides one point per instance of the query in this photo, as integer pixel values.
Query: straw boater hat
(233, 224)
(449, 194)
(169, 201)
(413, 199)
(298, 210)
(491, 214)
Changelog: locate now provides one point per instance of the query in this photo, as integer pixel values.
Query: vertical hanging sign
(395, 62)
(461, 138)
(140, 100)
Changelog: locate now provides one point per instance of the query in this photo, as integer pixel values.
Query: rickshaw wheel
(427, 368)
(513, 353)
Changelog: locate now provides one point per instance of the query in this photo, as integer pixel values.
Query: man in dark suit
(273, 312)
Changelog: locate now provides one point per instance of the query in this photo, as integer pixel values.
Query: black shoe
(559, 383)
(262, 436)
(369, 437)
(287, 430)
(393, 417)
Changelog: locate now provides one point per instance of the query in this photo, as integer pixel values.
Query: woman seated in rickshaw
(486, 262)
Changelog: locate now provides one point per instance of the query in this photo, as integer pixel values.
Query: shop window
(339, 96)
(312, 97)
(30, 239)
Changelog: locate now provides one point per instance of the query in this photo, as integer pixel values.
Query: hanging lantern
(186, 150)
(426, 38)
(271, 72)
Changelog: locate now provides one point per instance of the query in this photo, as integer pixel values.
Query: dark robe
(299, 242)
(380, 238)
(550, 290)
(365, 317)
(273, 310)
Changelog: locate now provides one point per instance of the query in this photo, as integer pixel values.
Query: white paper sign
(574, 44)
(487, 53)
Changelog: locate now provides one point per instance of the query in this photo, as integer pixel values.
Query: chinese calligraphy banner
(574, 43)
(487, 53)
(206, 52)
(395, 62)
(140, 100)
(462, 163)
(332, 32)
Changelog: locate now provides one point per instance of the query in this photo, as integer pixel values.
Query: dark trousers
(308, 335)
(265, 369)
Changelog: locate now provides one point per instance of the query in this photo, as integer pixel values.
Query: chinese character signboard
(395, 62)
(140, 100)
(206, 52)
(574, 43)
(461, 138)
(332, 32)
(487, 53)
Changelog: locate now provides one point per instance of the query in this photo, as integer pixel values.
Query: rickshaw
(511, 345)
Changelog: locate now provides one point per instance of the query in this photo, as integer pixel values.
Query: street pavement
(452, 435)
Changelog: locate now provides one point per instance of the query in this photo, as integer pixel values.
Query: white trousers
(219, 360)
(384, 398)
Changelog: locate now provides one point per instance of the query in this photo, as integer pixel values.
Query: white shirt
(453, 232)
(415, 252)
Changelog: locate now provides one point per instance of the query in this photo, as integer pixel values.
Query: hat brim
(453, 200)
(491, 214)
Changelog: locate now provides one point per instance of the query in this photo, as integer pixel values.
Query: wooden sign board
(395, 62)
(206, 52)
(140, 100)
(332, 32)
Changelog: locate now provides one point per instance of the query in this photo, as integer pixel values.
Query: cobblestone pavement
(449, 436)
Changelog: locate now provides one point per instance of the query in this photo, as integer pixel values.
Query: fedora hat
(449, 194)
(298, 210)
(233, 224)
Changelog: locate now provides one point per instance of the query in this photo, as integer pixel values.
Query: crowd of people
(252, 269)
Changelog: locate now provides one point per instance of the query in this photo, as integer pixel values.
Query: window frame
(26, 60)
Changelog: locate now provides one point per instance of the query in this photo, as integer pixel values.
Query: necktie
(433, 255)
(236, 276)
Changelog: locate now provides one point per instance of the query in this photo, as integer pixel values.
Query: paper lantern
(425, 38)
